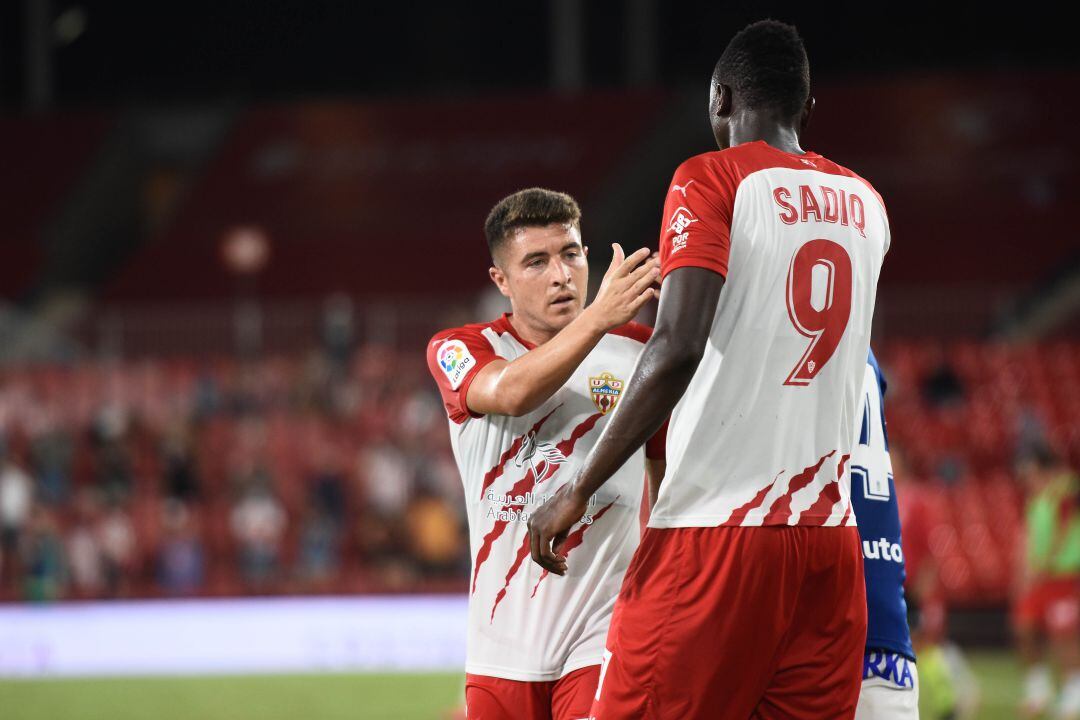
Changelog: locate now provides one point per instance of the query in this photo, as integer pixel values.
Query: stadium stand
(292, 473)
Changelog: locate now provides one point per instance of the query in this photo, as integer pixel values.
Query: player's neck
(529, 333)
(751, 127)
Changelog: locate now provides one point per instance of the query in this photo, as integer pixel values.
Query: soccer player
(745, 597)
(1048, 608)
(890, 681)
(527, 395)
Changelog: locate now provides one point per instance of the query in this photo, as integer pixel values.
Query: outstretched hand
(549, 526)
(628, 284)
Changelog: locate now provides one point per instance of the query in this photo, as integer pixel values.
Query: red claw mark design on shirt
(779, 511)
(819, 512)
(522, 553)
(527, 484)
(740, 513)
(573, 540)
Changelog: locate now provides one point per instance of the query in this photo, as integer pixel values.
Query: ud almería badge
(605, 389)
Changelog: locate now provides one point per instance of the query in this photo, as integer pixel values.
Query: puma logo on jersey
(681, 188)
(530, 448)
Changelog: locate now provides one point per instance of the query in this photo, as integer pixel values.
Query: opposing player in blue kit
(890, 686)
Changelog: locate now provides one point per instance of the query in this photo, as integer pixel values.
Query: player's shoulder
(468, 334)
(469, 330)
(728, 167)
(835, 168)
(706, 166)
(634, 331)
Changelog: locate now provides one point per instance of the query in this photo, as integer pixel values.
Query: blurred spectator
(1030, 434)
(51, 451)
(181, 481)
(387, 482)
(117, 537)
(43, 557)
(435, 536)
(258, 525)
(16, 500)
(86, 559)
(327, 483)
(320, 557)
(181, 561)
(337, 330)
(113, 465)
(942, 386)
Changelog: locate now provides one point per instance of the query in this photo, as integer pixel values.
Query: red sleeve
(656, 446)
(454, 358)
(697, 216)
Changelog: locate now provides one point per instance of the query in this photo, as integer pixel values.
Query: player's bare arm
(520, 386)
(687, 306)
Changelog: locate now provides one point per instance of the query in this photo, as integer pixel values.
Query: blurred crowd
(325, 473)
(332, 473)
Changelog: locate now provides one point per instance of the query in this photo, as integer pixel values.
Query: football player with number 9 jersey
(745, 597)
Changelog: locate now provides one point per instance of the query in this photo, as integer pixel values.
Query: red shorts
(1050, 605)
(568, 698)
(738, 622)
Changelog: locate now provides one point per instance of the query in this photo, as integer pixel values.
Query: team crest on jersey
(456, 361)
(605, 389)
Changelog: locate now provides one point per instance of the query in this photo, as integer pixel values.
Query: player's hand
(550, 524)
(628, 284)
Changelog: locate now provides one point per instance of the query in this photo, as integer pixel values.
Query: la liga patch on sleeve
(456, 361)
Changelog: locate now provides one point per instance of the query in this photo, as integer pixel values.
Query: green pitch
(322, 697)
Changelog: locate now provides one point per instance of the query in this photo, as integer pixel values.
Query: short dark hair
(534, 207)
(766, 67)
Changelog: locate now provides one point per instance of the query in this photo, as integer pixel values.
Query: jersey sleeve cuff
(679, 261)
(463, 391)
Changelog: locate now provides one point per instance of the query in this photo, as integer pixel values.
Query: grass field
(319, 697)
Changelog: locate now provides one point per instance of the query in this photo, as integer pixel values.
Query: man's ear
(807, 111)
(499, 278)
(723, 100)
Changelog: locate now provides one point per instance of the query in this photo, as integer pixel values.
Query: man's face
(544, 272)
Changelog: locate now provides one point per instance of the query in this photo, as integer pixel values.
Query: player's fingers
(548, 559)
(558, 542)
(644, 277)
(617, 257)
(646, 295)
(632, 261)
(534, 545)
(540, 549)
(647, 280)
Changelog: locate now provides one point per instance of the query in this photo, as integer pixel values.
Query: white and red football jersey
(525, 624)
(764, 431)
